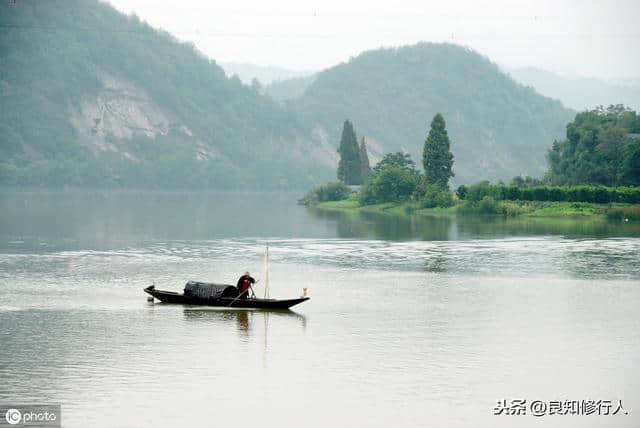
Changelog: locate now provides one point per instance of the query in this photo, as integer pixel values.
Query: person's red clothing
(243, 285)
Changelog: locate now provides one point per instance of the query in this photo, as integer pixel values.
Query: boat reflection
(244, 320)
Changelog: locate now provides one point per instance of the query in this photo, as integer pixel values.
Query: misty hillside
(289, 89)
(92, 97)
(580, 93)
(263, 73)
(498, 127)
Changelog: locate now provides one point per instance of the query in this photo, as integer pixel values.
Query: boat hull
(224, 302)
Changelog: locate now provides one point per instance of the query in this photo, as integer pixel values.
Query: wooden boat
(224, 295)
(219, 295)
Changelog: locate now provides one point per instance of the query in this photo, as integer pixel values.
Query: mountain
(264, 74)
(498, 128)
(289, 89)
(93, 97)
(281, 84)
(580, 93)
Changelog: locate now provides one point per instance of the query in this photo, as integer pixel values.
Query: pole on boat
(150, 298)
(266, 272)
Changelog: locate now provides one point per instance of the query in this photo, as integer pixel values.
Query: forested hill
(498, 128)
(90, 96)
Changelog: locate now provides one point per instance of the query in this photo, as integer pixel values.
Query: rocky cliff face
(117, 113)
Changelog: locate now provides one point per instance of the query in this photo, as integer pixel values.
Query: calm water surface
(412, 321)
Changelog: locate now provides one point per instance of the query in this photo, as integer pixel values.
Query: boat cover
(207, 290)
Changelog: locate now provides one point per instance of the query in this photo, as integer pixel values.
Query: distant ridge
(580, 93)
(498, 127)
(263, 73)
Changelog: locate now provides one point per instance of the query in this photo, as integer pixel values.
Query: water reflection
(530, 226)
(375, 225)
(46, 220)
(49, 221)
(372, 225)
(244, 321)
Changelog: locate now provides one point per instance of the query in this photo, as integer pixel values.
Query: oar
(238, 297)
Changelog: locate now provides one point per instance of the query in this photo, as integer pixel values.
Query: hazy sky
(582, 37)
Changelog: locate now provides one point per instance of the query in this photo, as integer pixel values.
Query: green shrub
(584, 194)
(512, 193)
(541, 193)
(391, 184)
(478, 191)
(601, 195)
(488, 205)
(593, 194)
(556, 194)
(436, 196)
(511, 209)
(461, 191)
(526, 194)
(329, 192)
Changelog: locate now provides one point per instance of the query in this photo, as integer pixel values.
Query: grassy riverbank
(539, 209)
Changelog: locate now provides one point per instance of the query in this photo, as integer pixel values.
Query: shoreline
(512, 209)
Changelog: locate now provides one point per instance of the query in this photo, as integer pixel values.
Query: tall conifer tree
(349, 169)
(437, 158)
(365, 167)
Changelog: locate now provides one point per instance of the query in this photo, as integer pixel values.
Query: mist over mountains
(580, 93)
(93, 97)
(264, 74)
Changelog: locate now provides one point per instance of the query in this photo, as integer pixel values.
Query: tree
(391, 184)
(349, 167)
(393, 179)
(365, 167)
(631, 163)
(599, 149)
(437, 158)
(396, 160)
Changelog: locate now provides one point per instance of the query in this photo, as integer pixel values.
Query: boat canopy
(207, 290)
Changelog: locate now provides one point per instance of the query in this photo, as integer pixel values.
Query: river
(413, 321)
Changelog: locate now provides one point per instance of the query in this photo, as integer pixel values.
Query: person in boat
(244, 285)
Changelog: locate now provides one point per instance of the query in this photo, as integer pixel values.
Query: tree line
(602, 147)
(583, 193)
(598, 163)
